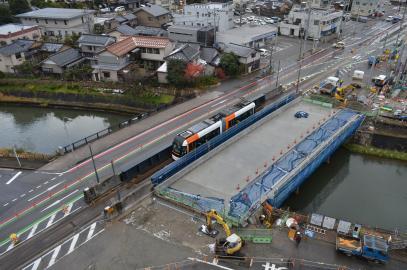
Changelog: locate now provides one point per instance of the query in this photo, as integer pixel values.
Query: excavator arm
(212, 214)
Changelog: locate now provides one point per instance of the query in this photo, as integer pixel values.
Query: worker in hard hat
(14, 238)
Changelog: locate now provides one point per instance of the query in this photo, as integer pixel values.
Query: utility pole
(357, 19)
(299, 70)
(385, 41)
(16, 156)
(401, 26)
(271, 56)
(94, 165)
(278, 73)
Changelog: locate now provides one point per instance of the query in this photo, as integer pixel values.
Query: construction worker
(14, 238)
(340, 82)
(297, 237)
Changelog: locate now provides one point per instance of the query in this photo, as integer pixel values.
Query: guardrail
(100, 134)
(181, 163)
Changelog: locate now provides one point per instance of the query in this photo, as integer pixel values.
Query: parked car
(339, 45)
(389, 18)
(251, 18)
(248, 10)
(301, 114)
(120, 9)
(264, 52)
(105, 10)
(276, 19)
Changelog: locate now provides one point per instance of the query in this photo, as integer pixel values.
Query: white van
(120, 9)
(332, 80)
(358, 75)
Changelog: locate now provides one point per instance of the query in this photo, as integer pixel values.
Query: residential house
(249, 58)
(42, 50)
(60, 22)
(133, 54)
(204, 35)
(152, 15)
(211, 57)
(11, 32)
(324, 24)
(14, 54)
(91, 45)
(219, 15)
(131, 4)
(125, 30)
(59, 62)
(187, 53)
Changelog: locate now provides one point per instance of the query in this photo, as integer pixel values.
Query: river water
(360, 189)
(43, 129)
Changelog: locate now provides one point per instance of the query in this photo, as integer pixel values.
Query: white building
(60, 21)
(11, 32)
(321, 23)
(364, 7)
(210, 14)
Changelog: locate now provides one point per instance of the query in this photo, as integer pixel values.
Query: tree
(71, 40)
(176, 73)
(5, 15)
(78, 72)
(26, 68)
(230, 64)
(18, 6)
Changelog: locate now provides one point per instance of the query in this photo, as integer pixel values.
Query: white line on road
(31, 190)
(51, 220)
(91, 231)
(220, 102)
(37, 187)
(34, 265)
(58, 201)
(33, 229)
(68, 210)
(10, 247)
(22, 195)
(46, 182)
(5, 204)
(48, 189)
(73, 243)
(52, 179)
(54, 256)
(13, 200)
(13, 178)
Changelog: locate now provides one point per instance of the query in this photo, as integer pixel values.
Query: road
(32, 201)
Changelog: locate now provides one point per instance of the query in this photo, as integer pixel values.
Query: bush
(2, 75)
(206, 81)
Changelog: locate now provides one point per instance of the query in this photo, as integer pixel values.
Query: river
(360, 189)
(44, 129)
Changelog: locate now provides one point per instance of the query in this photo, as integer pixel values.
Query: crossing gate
(256, 236)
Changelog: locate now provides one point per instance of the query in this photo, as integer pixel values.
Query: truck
(373, 60)
(329, 86)
(370, 247)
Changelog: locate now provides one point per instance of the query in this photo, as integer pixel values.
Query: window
(18, 55)
(156, 51)
(65, 22)
(66, 33)
(143, 50)
(59, 33)
(150, 19)
(106, 74)
(149, 50)
(316, 22)
(36, 20)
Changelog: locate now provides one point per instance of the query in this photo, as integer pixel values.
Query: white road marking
(52, 179)
(33, 229)
(48, 189)
(15, 199)
(10, 247)
(31, 190)
(38, 186)
(220, 102)
(73, 243)
(54, 256)
(6, 169)
(51, 220)
(22, 195)
(5, 204)
(58, 201)
(36, 264)
(68, 210)
(13, 178)
(91, 231)
(46, 182)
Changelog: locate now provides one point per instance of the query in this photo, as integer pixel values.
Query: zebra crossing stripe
(34, 265)
(10, 247)
(33, 229)
(68, 210)
(54, 256)
(73, 243)
(91, 231)
(51, 220)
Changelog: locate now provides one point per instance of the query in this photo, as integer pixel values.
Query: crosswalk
(281, 46)
(68, 246)
(345, 71)
(42, 225)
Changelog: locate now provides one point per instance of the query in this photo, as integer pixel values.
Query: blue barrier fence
(181, 163)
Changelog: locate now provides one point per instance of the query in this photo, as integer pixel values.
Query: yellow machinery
(342, 92)
(225, 246)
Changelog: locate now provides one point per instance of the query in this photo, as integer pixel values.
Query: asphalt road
(32, 202)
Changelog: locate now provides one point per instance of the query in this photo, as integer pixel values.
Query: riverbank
(374, 151)
(26, 159)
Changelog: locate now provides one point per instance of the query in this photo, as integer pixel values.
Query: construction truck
(228, 246)
(372, 247)
(329, 86)
(342, 93)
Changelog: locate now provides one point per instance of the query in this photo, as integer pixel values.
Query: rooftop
(18, 46)
(101, 40)
(154, 10)
(65, 57)
(239, 50)
(55, 13)
(246, 34)
(186, 52)
(128, 44)
(12, 28)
